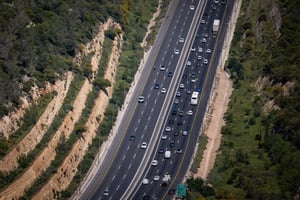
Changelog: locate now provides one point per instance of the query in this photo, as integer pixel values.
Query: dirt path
(18, 187)
(222, 93)
(66, 172)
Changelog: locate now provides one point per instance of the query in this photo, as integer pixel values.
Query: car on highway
(200, 49)
(163, 90)
(188, 63)
(141, 99)
(176, 51)
(203, 40)
(189, 91)
(171, 122)
(154, 163)
(156, 178)
(181, 39)
(199, 57)
(205, 61)
(181, 86)
(179, 151)
(205, 35)
(194, 80)
(156, 86)
(193, 49)
(180, 113)
(178, 94)
(161, 150)
(172, 143)
(164, 137)
(132, 138)
(208, 50)
(171, 191)
(179, 123)
(168, 129)
(223, 2)
(202, 21)
(174, 112)
(190, 112)
(192, 7)
(106, 192)
(176, 101)
(144, 145)
(185, 133)
(170, 74)
(162, 68)
(176, 133)
(145, 181)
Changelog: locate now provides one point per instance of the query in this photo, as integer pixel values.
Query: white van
(167, 154)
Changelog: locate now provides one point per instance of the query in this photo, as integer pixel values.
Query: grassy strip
(65, 147)
(203, 140)
(31, 116)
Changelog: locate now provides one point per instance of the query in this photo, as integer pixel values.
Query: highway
(138, 140)
(197, 76)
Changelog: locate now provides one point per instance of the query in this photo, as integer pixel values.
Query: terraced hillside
(52, 134)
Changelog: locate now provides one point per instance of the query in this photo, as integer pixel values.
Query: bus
(194, 98)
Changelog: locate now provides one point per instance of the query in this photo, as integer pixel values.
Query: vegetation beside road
(260, 151)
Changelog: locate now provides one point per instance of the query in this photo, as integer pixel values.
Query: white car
(164, 137)
(203, 40)
(190, 112)
(200, 49)
(199, 57)
(145, 181)
(106, 192)
(168, 129)
(141, 99)
(144, 145)
(205, 61)
(162, 68)
(181, 40)
(176, 51)
(194, 80)
(193, 49)
(185, 133)
(156, 178)
(208, 50)
(202, 21)
(188, 63)
(163, 90)
(181, 86)
(192, 7)
(154, 163)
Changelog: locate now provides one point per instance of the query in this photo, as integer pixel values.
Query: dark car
(132, 138)
(171, 191)
(171, 121)
(156, 86)
(172, 144)
(170, 74)
(161, 150)
(174, 112)
(179, 123)
(181, 113)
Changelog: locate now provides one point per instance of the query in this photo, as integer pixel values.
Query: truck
(167, 154)
(216, 27)
(194, 98)
(166, 180)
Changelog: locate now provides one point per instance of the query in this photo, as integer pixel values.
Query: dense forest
(38, 39)
(259, 157)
